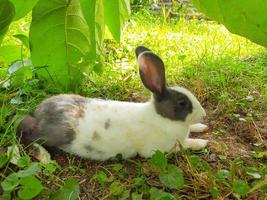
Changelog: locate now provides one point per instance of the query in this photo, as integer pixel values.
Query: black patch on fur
(140, 49)
(107, 123)
(96, 136)
(50, 123)
(99, 152)
(89, 148)
(27, 129)
(173, 105)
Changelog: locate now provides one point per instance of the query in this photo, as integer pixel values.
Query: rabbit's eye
(181, 102)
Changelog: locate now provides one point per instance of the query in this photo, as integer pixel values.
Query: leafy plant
(70, 191)
(66, 37)
(30, 187)
(157, 194)
(246, 18)
(159, 160)
(23, 181)
(240, 187)
(116, 188)
(101, 177)
(173, 179)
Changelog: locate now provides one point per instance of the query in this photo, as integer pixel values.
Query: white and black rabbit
(100, 129)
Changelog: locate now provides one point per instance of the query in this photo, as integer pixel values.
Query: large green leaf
(9, 54)
(159, 160)
(7, 12)
(70, 191)
(246, 18)
(116, 13)
(60, 40)
(22, 7)
(240, 187)
(93, 11)
(173, 179)
(30, 187)
(10, 182)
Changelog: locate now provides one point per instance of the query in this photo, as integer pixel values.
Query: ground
(227, 73)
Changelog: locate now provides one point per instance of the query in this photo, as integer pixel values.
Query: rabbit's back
(112, 127)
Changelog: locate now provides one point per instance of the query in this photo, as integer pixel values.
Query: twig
(257, 130)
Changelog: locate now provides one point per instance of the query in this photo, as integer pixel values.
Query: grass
(226, 72)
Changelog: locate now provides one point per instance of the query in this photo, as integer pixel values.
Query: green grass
(226, 72)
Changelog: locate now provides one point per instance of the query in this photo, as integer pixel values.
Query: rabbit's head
(174, 103)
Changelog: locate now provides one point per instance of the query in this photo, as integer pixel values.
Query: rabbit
(100, 129)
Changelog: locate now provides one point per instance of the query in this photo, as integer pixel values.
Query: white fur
(109, 128)
(198, 127)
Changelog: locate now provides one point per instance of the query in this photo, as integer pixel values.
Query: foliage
(71, 35)
(246, 18)
(23, 181)
(220, 68)
(69, 191)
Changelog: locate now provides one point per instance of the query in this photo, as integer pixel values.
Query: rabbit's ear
(152, 71)
(141, 49)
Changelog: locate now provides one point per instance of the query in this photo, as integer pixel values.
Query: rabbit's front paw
(197, 128)
(195, 144)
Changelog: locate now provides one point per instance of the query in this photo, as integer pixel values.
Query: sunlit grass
(226, 72)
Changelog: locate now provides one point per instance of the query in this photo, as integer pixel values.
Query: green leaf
(199, 164)
(13, 151)
(252, 171)
(116, 188)
(222, 174)
(18, 65)
(116, 13)
(66, 48)
(173, 179)
(70, 191)
(49, 168)
(117, 167)
(101, 177)
(240, 187)
(10, 182)
(7, 12)
(156, 194)
(98, 68)
(93, 11)
(159, 160)
(214, 192)
(33, 169)
(3, 160)
(30, 187)
(261, 154)
(139, 181)
(17, 100)
(24, 39)
(261, 184)
(136, 196)
(246, 18)
(10, 53)
(6, 196)
(22, 7)
(24, 161)
(125, 195)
